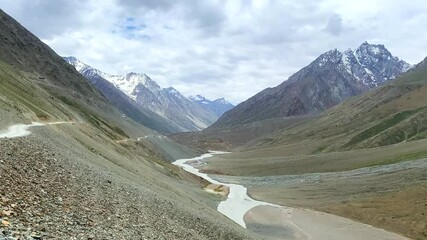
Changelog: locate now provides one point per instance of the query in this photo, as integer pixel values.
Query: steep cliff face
(333, 77)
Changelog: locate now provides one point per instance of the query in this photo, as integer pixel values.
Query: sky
(219, 48)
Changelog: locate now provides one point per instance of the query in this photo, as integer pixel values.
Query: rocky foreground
(46, 195)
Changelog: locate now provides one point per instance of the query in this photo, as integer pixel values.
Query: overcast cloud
(218, 48)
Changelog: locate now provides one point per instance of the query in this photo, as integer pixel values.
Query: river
(289, 223)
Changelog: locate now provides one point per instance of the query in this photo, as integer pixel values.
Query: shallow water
(237, 203)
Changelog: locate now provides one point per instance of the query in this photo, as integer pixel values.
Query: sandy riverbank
(301, 224)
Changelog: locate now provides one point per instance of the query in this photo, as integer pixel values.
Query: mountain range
(331, 78)
(218, 106)
(180, 113)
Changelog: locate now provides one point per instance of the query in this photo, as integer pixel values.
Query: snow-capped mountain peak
(330, 57)
(173, 92)
(372, 49)
(197, 98)
(132, 81)
(127, 83)
(78, 65)
(146, 93)
(379, 63)
(330, 79)
(84, 68)
(371, 64)
(219, 106)
(372, 53)
(222, 101)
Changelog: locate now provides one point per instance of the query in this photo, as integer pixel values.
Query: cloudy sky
(219, 48)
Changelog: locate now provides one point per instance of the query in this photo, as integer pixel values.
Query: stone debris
(44, 195)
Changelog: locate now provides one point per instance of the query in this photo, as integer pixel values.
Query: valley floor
(392, 197)
(283, 222)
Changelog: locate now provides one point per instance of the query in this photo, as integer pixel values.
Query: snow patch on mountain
(371, 64)
(219, 106)
(173, 92)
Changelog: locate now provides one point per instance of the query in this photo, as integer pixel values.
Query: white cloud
(230, 49)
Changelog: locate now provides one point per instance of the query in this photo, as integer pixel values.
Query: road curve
(21, 130)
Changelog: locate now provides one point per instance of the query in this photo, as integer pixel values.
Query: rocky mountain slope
(218, 106)
(333, 77)
(147, 94)
(97, 177)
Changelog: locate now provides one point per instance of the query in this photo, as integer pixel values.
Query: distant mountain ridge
(331, 78)
(218, 106)
(166, 102)
(125, 104)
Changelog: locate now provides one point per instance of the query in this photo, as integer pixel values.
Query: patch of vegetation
(380, 127)
(396, 159)
(107, 128)
(16, 88)
(219, 189)
(101, 124)
(419, 136)
(413, 78)
(86, 146)
(68, 102)
(319, 149)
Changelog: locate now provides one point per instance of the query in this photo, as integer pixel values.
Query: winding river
(289, 223)
(237, 203)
